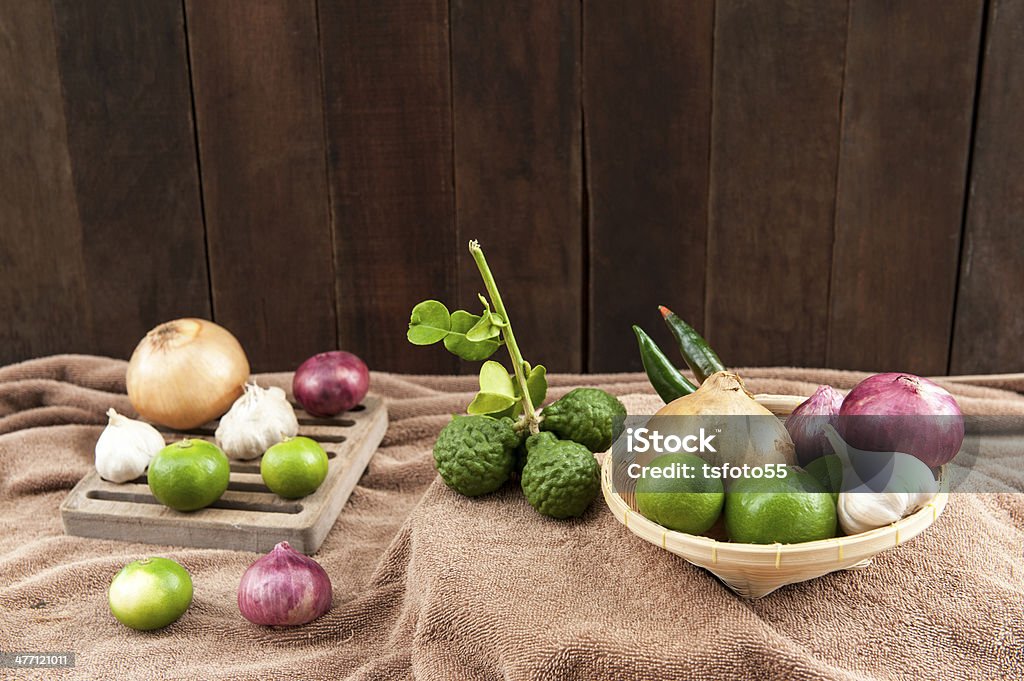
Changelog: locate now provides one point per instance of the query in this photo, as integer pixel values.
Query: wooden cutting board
(248, 517)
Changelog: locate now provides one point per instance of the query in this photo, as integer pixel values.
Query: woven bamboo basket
(755, 570)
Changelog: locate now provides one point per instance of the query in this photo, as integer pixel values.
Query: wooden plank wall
(828, 183)
(910, 79)
(989, 325)
(389, 134)
(518, 173)
(774, 131)
(260, 121)
(647, 167)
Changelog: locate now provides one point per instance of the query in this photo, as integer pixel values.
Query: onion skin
(897, 412)
(284, 589)
(720, 405)
(722, 393)
(806, 423)
(330, 383)
(185, 373)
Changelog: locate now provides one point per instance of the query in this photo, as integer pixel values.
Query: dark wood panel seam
(63, 98)
(90, 339)
(585, 274)
(835, 194)
(327, 178)
(67, 137)
(454, 283)
(968, 177)
(199, 165)
(711, 171)
(711, 132)
(711, 174)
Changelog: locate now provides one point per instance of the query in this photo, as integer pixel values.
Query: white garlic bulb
(125, 448)
(862, 511)
(257, 421)
(901, 487)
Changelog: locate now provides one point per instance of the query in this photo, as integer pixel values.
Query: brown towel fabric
(431, 585)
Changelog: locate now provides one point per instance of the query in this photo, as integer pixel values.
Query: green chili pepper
(699, 356)
(662, 374)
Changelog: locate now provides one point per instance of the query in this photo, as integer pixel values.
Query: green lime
(294, 468)
(786, 510)
(189, 475)
(150, 593)
(684, 504)
(828, 471)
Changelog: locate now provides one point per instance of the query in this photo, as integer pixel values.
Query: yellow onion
(745, 431)
(186, 372)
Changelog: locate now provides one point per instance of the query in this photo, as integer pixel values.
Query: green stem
(510, 339)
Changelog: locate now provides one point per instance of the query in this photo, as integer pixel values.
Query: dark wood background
(818, 183)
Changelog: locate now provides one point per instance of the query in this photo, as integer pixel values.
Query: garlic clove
(860, 511)
(258, 420)
(125, 448)
(899, 488)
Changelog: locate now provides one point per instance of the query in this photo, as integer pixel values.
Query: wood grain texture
(42, 274)
(518, 178)
(259, 116)
(989, 325)
(647, 106)
(388, 107)
(907, 108)
(128, 110)
(790, 177)
(775, 128)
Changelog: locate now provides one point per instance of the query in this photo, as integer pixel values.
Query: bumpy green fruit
(588, 416)
(561, 478)
(475, 454)
(527, 445)
(540, 440)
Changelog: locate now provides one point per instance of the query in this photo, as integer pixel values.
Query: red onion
(284, 588)
(903, 413)
(331, 382)
(807, 422)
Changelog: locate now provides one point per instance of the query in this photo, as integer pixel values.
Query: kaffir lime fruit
(684, 504)
(294, 468)
(150, 593)
(475, 454)
(536, 441)
(588, 416)
(561, 478)
(189, 475)
(789, 510)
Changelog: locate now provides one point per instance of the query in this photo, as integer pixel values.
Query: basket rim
(630, 518)
(633, 519)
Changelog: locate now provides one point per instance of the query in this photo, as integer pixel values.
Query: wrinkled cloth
(432, 585)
